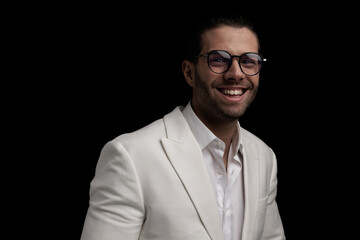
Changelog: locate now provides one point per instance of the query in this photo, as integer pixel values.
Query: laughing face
(223, 96)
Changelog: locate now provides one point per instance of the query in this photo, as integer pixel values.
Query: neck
(225, 131)
(222, 128)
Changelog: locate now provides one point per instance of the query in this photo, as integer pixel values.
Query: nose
(234, 73)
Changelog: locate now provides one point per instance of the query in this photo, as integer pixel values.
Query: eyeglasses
(220, 61)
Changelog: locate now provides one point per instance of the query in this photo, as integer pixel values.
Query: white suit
(153, 184)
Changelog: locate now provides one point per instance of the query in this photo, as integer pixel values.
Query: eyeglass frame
(230, 62)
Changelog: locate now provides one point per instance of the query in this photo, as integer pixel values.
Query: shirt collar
(202, 134)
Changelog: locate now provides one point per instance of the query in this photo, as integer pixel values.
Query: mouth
(232, 92)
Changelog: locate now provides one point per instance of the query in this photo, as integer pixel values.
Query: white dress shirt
(227, 184)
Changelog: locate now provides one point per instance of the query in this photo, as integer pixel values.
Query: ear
(188, 69)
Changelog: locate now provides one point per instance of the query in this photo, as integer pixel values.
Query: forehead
(234, 40)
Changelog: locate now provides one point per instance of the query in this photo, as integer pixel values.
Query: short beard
(213, 109)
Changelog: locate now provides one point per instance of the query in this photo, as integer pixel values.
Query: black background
(84, 74)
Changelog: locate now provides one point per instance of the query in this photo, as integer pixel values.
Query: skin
(220, 113)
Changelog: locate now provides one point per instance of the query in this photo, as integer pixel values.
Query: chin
(231, 114)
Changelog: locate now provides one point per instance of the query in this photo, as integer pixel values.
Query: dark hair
(194, 41)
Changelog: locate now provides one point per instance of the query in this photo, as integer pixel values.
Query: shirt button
(220, 172)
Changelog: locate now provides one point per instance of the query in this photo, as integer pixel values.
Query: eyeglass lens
(220, 62)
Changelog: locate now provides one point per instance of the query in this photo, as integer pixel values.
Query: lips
(232, 92)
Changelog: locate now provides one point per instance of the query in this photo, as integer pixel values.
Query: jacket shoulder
(262, 148)
(149, 133)
(164, 127)
(250, 137)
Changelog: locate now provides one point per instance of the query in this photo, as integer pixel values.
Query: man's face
(224, 96)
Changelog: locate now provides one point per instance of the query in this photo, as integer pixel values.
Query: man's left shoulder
(251, 139)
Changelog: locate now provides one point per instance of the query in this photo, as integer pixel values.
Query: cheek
(203, 78)
(210, 82)
(254, 80)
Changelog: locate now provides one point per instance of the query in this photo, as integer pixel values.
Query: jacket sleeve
(273, 228)
(116, 208)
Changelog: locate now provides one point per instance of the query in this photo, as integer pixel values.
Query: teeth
(236, 92)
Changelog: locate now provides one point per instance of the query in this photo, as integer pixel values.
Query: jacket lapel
(186, 157)
(251, 186)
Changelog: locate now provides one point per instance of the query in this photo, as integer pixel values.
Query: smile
(232, 92)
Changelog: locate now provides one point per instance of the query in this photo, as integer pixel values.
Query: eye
(219, 60)
(248, 61)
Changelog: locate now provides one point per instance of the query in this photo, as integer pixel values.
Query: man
(195, 174)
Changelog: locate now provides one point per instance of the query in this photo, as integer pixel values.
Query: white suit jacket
(153, 184)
